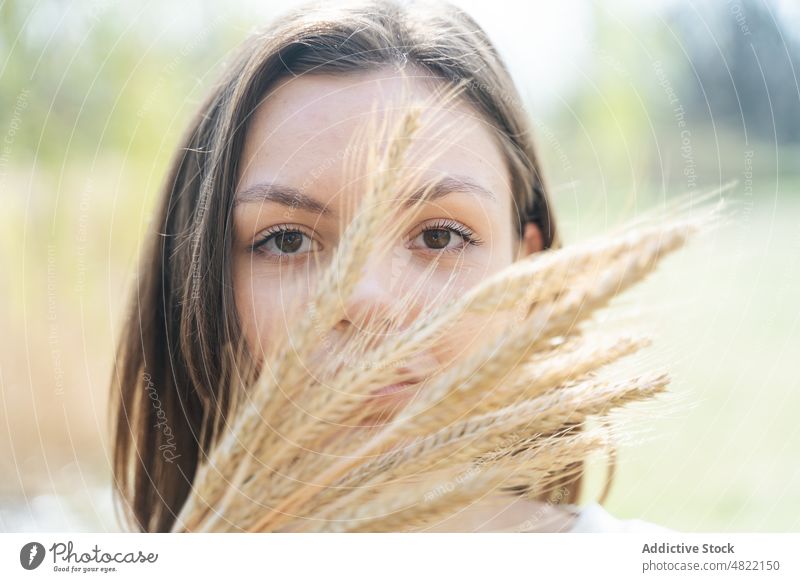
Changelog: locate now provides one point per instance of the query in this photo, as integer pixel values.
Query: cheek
(261, 298)
(469, 336)
(468, 333)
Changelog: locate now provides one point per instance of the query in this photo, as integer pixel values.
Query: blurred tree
(745, 62)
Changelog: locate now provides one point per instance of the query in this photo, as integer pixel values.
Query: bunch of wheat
(307, 448)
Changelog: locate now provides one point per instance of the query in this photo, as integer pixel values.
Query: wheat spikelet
(588, 355)
(509, 428)
(498, 359)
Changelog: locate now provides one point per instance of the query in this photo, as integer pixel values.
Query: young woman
(256, 197)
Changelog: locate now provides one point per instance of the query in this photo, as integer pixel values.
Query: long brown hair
(170, 377)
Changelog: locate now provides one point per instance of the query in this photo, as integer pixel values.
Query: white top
(593, 518)
(505, 514)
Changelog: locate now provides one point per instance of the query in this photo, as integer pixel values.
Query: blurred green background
(633, 104)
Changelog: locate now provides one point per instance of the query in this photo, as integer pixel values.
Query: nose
(373, 296)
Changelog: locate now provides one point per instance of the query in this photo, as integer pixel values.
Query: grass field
(722, 453)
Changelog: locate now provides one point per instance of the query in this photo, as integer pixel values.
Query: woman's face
(294, 196)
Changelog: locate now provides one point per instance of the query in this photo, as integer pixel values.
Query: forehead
(300, 133)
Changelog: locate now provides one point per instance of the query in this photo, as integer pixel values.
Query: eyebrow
(281, 194)
(294, 198)
(433, 191)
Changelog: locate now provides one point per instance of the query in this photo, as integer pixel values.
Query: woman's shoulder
(594, 518)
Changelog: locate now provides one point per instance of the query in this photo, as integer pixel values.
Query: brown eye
(444, 236)
(289, 242)
(286, 241)
(436, 238)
